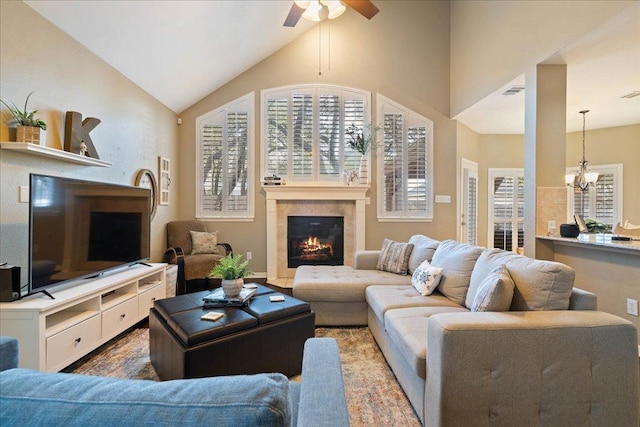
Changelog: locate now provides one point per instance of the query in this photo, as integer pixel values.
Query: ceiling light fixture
(583, 178)
(313, 9)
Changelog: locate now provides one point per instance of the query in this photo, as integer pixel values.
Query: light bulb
(569, 179)
(336, 8)
(591, 177)
(313, 11)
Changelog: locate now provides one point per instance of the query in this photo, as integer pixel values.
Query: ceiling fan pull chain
(320, 49)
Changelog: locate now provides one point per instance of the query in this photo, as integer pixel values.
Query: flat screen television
(79, 229)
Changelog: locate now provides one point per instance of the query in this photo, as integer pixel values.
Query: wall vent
(631, 95)
(513, 90)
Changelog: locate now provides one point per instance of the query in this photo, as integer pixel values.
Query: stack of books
(272, 180)
(217, 298)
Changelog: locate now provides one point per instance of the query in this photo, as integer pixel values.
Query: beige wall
(492, 42)
(135, 129)
(409, 66)
(603, 146)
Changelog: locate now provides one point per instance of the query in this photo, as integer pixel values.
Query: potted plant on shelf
(362, 142)
(232, 271)
(29, 128)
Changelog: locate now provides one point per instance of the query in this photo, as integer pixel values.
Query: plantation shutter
(605, 200)
(302, 138)
(224, 168)
(354, 115)
(406, 185)
(471, 214)
(507, 209)
(417, 191)
(277, 131)
(329, 136)
(393, 188)
(602, 202)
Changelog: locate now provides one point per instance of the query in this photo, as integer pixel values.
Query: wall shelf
(52, 153)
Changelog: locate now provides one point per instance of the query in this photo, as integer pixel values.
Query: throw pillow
(204, 243)
(495, 292)
(394, 257)
(426, 278)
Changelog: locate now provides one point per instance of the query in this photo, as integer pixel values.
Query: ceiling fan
(316, 10)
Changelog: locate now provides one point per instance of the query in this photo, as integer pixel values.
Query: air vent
(513, 90)
(631, 95)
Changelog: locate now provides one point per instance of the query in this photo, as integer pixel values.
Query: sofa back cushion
(423, 250)
(486, 263)
(31, 398)
(540, 285)
(456, 260)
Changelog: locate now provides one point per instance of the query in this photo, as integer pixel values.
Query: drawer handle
(122, 316)
(77, 340)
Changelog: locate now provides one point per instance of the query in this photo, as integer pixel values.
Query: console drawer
(146, 299)
(119, 318)
(72, 343)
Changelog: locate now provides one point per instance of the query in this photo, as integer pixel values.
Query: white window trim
(249, 99)
(409, 116)
(617, 170)
(311, 89)
(491, 174)
(467, 168)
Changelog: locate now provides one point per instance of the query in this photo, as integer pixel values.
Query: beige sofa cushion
(540, 285)
(496, 291)
(407, 328)
(487, 262)
(457, 261)
(384, 298)
(423, 249)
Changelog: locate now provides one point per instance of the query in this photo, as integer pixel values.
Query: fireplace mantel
(301, 194)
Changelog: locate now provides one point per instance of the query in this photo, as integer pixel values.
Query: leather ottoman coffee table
(263, 336)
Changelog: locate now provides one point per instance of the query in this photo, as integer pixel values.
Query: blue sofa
(29, 397)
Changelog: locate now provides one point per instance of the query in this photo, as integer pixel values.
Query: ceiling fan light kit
(318, 10)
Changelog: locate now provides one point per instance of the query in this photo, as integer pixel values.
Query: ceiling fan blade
(294, 16)
(363, 7)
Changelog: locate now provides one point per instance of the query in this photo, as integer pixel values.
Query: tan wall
(409, 66)
(135, 129)
(492, 42)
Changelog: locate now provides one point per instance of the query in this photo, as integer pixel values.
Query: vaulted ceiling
(181, 51)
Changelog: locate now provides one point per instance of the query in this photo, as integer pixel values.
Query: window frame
(316, 91)
(245, 103)
(411, 119)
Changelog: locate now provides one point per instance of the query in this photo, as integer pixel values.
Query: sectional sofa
(29, 397)
(540, 355)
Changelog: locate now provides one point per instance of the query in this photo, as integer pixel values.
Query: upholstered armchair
(196, 251)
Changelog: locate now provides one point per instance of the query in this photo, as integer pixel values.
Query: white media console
(53, 333)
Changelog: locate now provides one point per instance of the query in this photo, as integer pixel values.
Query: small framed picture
(582, 226)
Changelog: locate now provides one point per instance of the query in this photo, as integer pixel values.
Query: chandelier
(583, 178)
(314, 9)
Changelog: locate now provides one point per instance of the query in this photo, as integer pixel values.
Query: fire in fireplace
(315, 240)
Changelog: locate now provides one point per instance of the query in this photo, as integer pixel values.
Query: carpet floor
(374, 397)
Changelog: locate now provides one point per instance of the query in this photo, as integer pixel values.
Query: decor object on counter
(569, 230)
(29, 129)
(627, 231)
(233, 272)
(76, 132)
(596, 227)
(583, 179)
(146, 179)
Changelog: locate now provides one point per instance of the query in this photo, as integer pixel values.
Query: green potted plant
(595, 227)
(29, 129)
(232, 271)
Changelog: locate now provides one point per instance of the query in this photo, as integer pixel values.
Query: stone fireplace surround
(311, 200)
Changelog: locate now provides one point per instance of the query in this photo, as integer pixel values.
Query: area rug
(374, 397)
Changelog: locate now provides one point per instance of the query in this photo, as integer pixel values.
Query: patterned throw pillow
(204, 243)
(495, 292)
(394, 257)
(426, 278)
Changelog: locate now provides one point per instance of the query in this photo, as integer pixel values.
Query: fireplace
(315, 240)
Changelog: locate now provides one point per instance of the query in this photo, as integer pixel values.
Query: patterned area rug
(374, 397)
